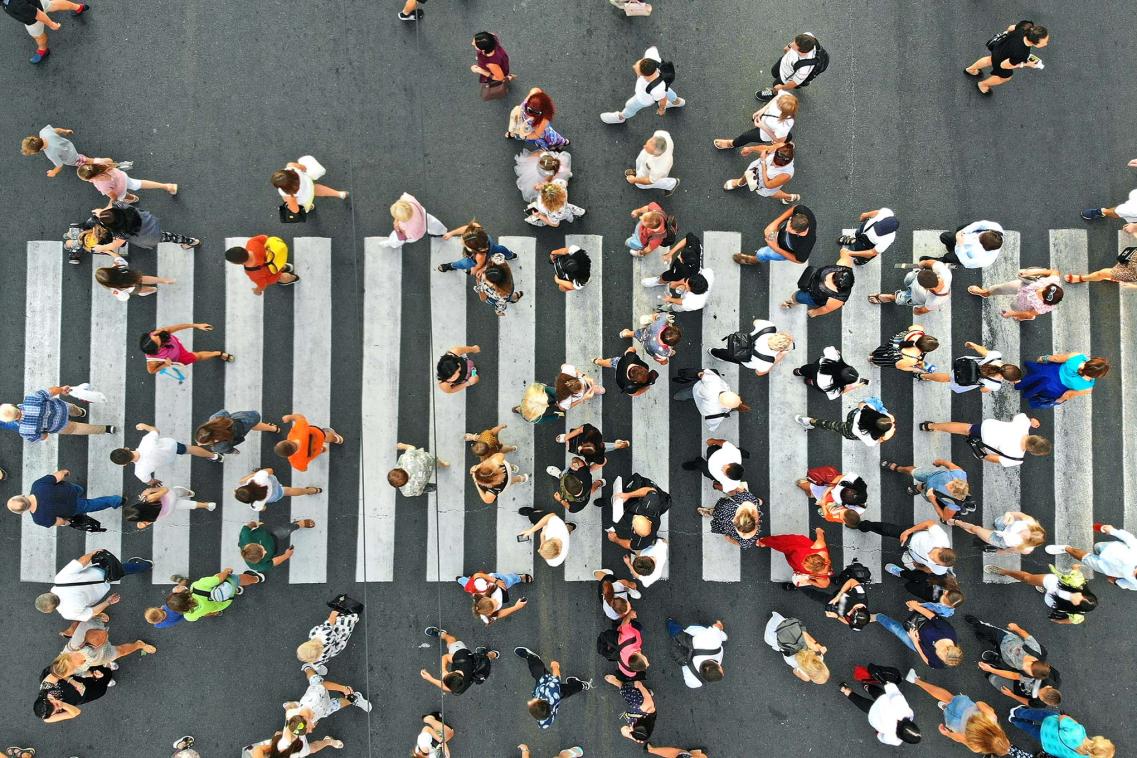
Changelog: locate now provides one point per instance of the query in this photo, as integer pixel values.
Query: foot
(926, 426)
(359, 701)
(584, 685)
(892, 568)
(765, 95)
(1055, 549)
(626, 333)
(493, 655)
(989, 656)
(613, 117)
(410, 16)
(40, 56)
(724, 144)
(599, 574)
(306, 523)
(1092, 214)
(789, 586)
(524, 478)
(217, 458)
(227, 357)
(138, 559)
(731, 184)
(185, 743)
(671, 191)
(742, 259)
(704, 511)
(570, 526)
(178, 578)
(791, 199)
(977, 291)
(911, 677)
(553, 471)
(83, 8)
(888, 465)
(444, 267)
(110, 429)
(194, 242)
(995, 570)
(259, 576)
(676, 103)
(526, 578)
(523, 652)
(845, 240)
(805, 421)
(985, 92)
(80, 413)
(651, 281)
(343, 195)
(971, 71)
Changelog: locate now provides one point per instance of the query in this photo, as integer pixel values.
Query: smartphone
(524, 537)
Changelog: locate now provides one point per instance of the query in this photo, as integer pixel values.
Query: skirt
(528, 175)
(1041, 385)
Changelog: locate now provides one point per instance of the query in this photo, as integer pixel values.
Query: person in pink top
(159, 501)
(163, 349)
(113, 182)
(412, 222)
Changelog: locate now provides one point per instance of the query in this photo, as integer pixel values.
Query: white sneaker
(1055, 549)
(678, 103)
(633, 594)
(211, 507)
(553, 471)
(360, 702)
(911, 676)
(651, 281)
(805, 422)
(613, 117)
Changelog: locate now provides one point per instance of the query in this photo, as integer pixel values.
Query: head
(181, 602)
(813, 665)
(1095, 368)
(847, 376)
(784, 155)
(943, 556)
(539, 106)
(670, 335)
(647, 67)
(286, 448)
(475, 239)
(854, 495)
(638, 662)
(238, 255)
(548, 164)
(1009, 372)
(117, 278)
(19, 503)
(309, 651)
(908, 732)
(842, 279)
(884, 425)
(850, 518)
(96, 637)
(298, 724)
(250, 493)
(253, 553)
(122, 456)
(655, 146)
(620, 605)
(143, 511)
(734, 471)
(858, 618)
(479, 448)
(639, 374)
(952, 598)
(1037, 35)
(1039, 669)
(154, 615)
(781, 341)
(539, 709)
(499, 274)
(787, 104)
(643, 565)
(402, 211)
(150, 342)
(286, 180)
(711, 671)
(553, 196)
(453, 680)
(10, 412)
(928, 279)
(816, 564)
(984, 735)
(804, 43)
(47, 602)
(927, 343)
(487, 473)
(485, 41)
(951, 655)
(550, 549)
(991, 240)
(62, 666)
(448, 365)
(1038, 445)
(696, 283)
(958, 488)
(483, 606)
(1035, 536)
(1051, 294)
(730, 399)
(653, 220)
(799, 222)
(746, 523)
(641, 525)
(572, 486)
(1099, 747)
(31, 145)
(398, 477)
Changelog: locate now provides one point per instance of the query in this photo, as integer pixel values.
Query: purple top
(498, 56)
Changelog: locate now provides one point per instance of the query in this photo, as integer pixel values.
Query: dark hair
(1011, 372)
(293, 747)
(947, 556)
(286, 180)
(121, 219)
(799, 222)
(447, 365)
(907, 731)
(670, 335)
(116, 277)
(847, 375)
(858, 618)
(1051, 294)
(143, 510)
(453, 680)
(572, 485)
(250, 492)
(734, 470)
(539, 709)
(540, 105)
(927, 343)
(237, 255)
(214, 430)
(927, 278)
(991, 240)
(485, 42)
(637, 662)
(785, 152)
(643, 564)
(843, 278)
(697, 284)
(397, 477)
(566, 386)
(181, 602)
(648, 66)
(883, 424)
(1095, 368)
(122, 456)
(805, 42)
(146, 344)
(475, 238)
(711, 670)
(854, 495)
(1036, 33)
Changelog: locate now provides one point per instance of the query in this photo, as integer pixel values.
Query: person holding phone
(1010, 50)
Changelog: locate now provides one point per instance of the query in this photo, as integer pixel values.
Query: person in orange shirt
(305, 442)
(265, 260)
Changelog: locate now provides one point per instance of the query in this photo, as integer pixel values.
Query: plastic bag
(86, 393)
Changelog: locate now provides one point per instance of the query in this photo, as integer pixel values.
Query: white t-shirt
(657, 551)
(571, 370)
(921, 544)
(693, 302)
(925, 297)
(993, 356)
(75, 603)
(1015, 533)
(706, 392)
(1128, 209)
(155, 455)
(881, 242)
(763, 356)
(656, 167)
(618, 590)
(887, 711)
(725, 455)
(772, 123)
(264, 479)
(1006, 437)
(556, 529)
(658, 88)
(786, 66)
(1051, 584)
(771, 637)
(703, 638)
(970, 252)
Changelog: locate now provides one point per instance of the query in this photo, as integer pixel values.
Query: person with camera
(81, 590)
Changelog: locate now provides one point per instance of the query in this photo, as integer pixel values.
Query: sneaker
(633, 594)
(138, 559)
(1055, 549)
(671, 191)
(599, 574)
(553, 471)
(523, 652)
(970, 619)
(492, 654)
(410, 16)
(602, 482)
(360, 702)
(560, 438)
(994, 570)
(989, 656)
(110, 429)
(260, 577)
(911, 676)
(217, 458)
(211, 507)
(805, 421)
(585, 686)
(443, 267)
(185, 743)
(178, 578)
(1089, 214)
(651, 281)
(892, 568)
(676, 103)
(846, 240)
(613, 117)
(40, 56)
(79, 12)
(524, 479)
(434, 631)
(765, 95)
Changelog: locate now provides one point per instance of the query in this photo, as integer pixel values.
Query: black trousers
(865, 703)
(569, 686)
(755, 136)
(883, 528)
(992, 635)
(918, 585)
(700, 464)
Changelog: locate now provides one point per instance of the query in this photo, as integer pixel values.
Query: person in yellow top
(305, 442)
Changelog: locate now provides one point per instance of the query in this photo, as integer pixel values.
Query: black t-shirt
(687, 262)
(588, 433)
(867, 422)
(626, 385)
(584, 474)
(23, 11)
(820, 291)
(800, 245)
(463, 661)
(575, 267)
(1013, 48)
(623, 529)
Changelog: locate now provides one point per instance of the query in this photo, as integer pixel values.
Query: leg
(94, 504)
(862, 702)
(244, 580)
(985, 632)
(262, 426)
(983, 62)
(571, 686)
(767, 255)
(674, 629)
(126, 649)
(205, 355)
(201, 452)
(723, 355)
(322, 191)
(333, 436)
(667, 183)
(897, 629)
(1004, 288)
(74, 427)
(509, 579)
(841, 427)
(169, 187)
(62, 5)
(883, 528)
(747, 137)
(951, 427)
(631, 108)
(135, 566)
(687, 393)
(992, 81)
(300, 491)
(536, 666)
(1034, 580)
(1076, 552)
(179, 239)
(939, 693)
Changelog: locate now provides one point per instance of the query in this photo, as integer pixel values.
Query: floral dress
(722, 518)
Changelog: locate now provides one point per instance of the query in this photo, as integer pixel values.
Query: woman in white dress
(536, 167)
(552, 206)
(297, 184)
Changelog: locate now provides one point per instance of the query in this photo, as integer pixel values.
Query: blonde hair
(959, 488)
(31, 145)
(812, 665)
(549, 549)
(310, 651)
(9, 412)
(1035, 537)
(19, 503)
(401, 210)
(61, 665)
(553, 196)
(253, 552)
(984, 735)
(653, 219)
(781, 341)
(952, 656)
(1100, 747)
(154, 615)
(787, 104)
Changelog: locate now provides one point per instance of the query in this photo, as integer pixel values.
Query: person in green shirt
(264, 548)
(211, 595)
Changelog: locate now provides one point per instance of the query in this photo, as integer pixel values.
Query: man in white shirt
(651, 88)
(875, 234)
(1004, 442)
(155, 454)
(690, 294)
(704, 651)
(976, 245)
(793, 68)
(927, 287)
(653, 164)
(648, 564)
(1116, 558)
(889, 713)
(722, 465)
(927, 547)
(713, 397)
(768, 347)
(80, 590)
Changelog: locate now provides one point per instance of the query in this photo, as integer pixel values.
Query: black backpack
(667, 72)
(740, 345)
(855, 570)
(965, 371)
(482, 667)
(820, 63)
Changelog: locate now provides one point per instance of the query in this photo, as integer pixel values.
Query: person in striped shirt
(43, 413)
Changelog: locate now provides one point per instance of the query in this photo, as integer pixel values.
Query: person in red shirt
(305, 442)
(808, 558)
(265, 260)
(632, 662)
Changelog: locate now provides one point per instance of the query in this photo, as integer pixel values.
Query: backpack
(820, 62)
(790, 636)
(855, 570)
(482, 667)
(822, 475)
(965, 371)
(608, 645)
(740, 345)
(667, 72)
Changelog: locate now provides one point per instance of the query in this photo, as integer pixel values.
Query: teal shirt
(1068, 373)
(262, 537)
(1061, 737)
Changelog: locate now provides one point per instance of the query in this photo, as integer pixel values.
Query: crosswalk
(585, 330)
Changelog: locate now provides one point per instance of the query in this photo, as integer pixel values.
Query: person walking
(456, 370)
(155, 455)
(722, 464)
(874, 235)
(297, 184)
(1124, 272)
(995, 441)
(535, 168)
(124, 281)
(824, 289)
(684, 260)
(488, 442)
(90, 647)
(532, 122)
(927, 288)
(906, 351)
(768, 173)
(44, 412)
(870, 422)
(654, 78)
(33, 15)
(633, 376)
(985, 370)
(773, 124)
(115, 184)
(930, 636)
(658, 334)
(493, 476)
(211, 595)
(653, 228)
(164, 617)
(789, 237)
(973, 246)
(654, 164)
(575, 485)
(163, 349)
(737, 516)
(688, 295)
(945, 486)
(548, 691)
(1126, 211)
(572, 268)
(411, 223)
(802, 61)
(849, 604)
(461, 667)
(713, 397)
(830, 374)
(1015, 664)
(1064, 593)
(1014, 532)
(134, 226)
(1059, 734)
(478, 248)
(53, 143)
(927, 546)
(551, 206)
(840, 498)
(317, 702)
(159, 501)
(494, 285)
(702, 647)
(329, 638)
(53, 501)
(264, 548)
(433, 740)
(491, 594)
(224, 431)
(801, 652)
(1009, 50)
(588, 442)
(60, 696)
(887, 709)
(265, 261)
(1115, 558)
(1056, 378)
(759, 350)
(413, 470)
(81, 590)
(305, 442)
(970, 723)
(808, 559)
(1037, 292)
(491, 64)
(555, 531)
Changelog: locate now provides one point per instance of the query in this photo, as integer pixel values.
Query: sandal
(787, 304)
(983, 92)
(629, 172)
(306, 523)
(976, 290)
(275, 428)
(526, 578)
(19, 752)
(227, 357)
(80, 412)
(791, 200)
(926, 426)
(194, 242)
(888, 465)
(704, 512)
(977, 73)
(3, 474)
(315, 490)
(726, 144)
(731, 184)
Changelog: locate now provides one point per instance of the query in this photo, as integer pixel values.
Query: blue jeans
(632, 107)
(674, 628)
(509, 579)
(767, 255)
(897, 629)
(466, 263)
(1030, 720)
(633, 242)
(805, 299)
(90, 505)
(136, 566)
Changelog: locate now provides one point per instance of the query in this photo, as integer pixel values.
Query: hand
(203, 327)
(66, 472)
(425, 674)
(1107, 529)
(288, 553)
(718, 623)
(911, 605)
(114, 599)
(985, 667)
(631, 179)
(521, 602)
(1035, 423)
(65, 389)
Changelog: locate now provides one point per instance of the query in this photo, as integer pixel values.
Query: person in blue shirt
(549, 691)
(54, 501)
(43, 413)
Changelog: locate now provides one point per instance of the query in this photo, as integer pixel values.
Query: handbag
(346, 605)
(1126, 255)
(997, 40)
(494, 90)
(287, 216)
(86, 393)
(110, 564)
(980, 449)
(637, 8)
(85, 523)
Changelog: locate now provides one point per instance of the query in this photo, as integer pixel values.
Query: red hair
(540, 103)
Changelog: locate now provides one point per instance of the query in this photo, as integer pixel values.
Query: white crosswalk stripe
(585, 332)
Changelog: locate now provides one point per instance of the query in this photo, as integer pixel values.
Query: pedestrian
(164, 617)
(317, 702)
(684, 259)
(675, 752)
(265, 261)
(927, 545)
(639, 710)
(802, 61)
(637, 512)
(906, 351)
(985, 370)
(283, 744)
(493, 476)
(1009, 50)
(632, 662)
(702, 647)
(134, 226)
(849, 604)
(945, 487)
(491, 593)
(532, 122)
(124, 281)
(1053, 379)
(1126, 211)
(773, 124)
(713, 397)
(722, 464)
(114, 184)
(539, 404)
(994, 441)
(928, 635)
(155, 455)
(224, 431)
(81, 590)
(461, 667)
(413, 470)
(211, 595)
(456, 370)
(653, 228)
(801, 652)
(615, 595)
(654, 77)
(1060, 735)
(974, 245)
(1016, 664)
(654, 164)
(690, 294)
(1037, 291)
(572, 267)
(554, 543)
(33, 15)
(478, 248)
(297, 185)
(759, 350)
(789, 237)
(1116, 558)
(1123, 272)
(488, 442)
(53, 501)
(941, 594)
(647, 564)
(60, 696)
(163, 349)
(53, 143)
(411, 222)
(535, 168)
(549, 691)
(329, 638)
(870, 422)
(305, 442)
(737, 516)
(830, 374)
(575, 485)
(90, 647)
(840, 498)
(551, 206)
(927, 288)
(808, 558)
(824, 288)
(491, 64)
(970, 723)
(44, 412)
(1014, 532)
(1064, 593)
(494, 285)
(159, 501)
(874, 235)
(888, 712)
(264, 548)
(658, 334)
(633, 376)
(434, 739)
(769, 172)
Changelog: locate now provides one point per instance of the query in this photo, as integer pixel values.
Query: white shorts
(133, 185)
(455, 646)
(38, 29)
(1128, 209)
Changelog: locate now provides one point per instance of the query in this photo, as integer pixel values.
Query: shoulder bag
(980, 449)
(494, 90)
(287, 216)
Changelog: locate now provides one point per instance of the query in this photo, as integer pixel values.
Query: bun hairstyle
(286, 180)
(553, 196)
